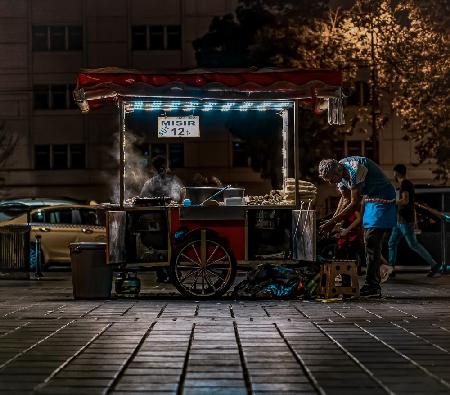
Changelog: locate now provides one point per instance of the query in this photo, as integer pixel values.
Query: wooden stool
(349, 279)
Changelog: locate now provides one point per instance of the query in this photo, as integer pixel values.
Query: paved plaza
(160, 343)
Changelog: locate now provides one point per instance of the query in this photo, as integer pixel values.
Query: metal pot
(197, 195)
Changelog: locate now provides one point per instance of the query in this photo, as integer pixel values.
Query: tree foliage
(412, 59)
(403, 43)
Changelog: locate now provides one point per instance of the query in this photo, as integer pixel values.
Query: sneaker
(385, 272)
(370, 292)
(434, 274)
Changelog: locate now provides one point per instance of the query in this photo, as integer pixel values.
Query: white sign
(179, 126)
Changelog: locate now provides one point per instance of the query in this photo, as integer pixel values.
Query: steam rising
(136, 171)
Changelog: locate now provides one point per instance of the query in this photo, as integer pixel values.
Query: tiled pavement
(51, 344)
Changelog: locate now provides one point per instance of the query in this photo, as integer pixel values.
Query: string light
(207, 106)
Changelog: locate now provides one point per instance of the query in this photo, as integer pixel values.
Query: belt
(379, 200)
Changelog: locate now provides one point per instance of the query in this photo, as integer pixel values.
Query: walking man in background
(405, 227)
(362, 177)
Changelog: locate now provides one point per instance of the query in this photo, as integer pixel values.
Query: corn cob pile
(286, 197)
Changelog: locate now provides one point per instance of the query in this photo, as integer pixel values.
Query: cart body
(204, 244)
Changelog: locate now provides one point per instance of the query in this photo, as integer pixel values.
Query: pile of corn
(307, 192)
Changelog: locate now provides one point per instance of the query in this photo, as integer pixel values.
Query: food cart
(206, 236)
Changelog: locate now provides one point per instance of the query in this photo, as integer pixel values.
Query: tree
(403, 42)
(405, 45)
(229, 39)
(241, 42)
(415, 61)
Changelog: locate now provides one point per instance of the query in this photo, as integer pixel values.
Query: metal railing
(15, 248)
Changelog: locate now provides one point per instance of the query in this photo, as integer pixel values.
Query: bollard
(38, 273)
(443, 244)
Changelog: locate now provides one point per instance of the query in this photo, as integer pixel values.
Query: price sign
(179, 126)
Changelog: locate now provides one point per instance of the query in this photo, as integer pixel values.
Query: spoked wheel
(203, 267)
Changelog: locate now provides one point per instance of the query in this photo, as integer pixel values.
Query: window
(174, 152)
(54, 216)
(77, 154)
(91, 217)
(176, 155)
(361, 94)
(53, 97)
(173, 37)
(353, 147)
(75, 38)
(41, 97)
(139, 38)
(72, 103)
(38, 217)
(155, 37)
(60, 156)
(40, 38)
(368, 149)
(58, 97)
(339, 149)
(240, 156)
(57, 38)
(41, 157)
(60, 216)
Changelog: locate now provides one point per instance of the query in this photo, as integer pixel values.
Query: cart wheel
(203, 267)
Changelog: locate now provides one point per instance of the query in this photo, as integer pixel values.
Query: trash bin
(91, 276)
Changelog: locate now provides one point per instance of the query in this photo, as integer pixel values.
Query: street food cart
(205, 237)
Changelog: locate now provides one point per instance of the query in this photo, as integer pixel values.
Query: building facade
(56, 151)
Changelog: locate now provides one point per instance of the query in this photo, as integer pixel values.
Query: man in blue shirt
(366, 182)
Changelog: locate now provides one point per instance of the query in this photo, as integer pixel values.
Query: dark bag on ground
(269, 281)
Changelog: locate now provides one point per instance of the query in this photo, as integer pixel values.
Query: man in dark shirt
(163, 183)
(405, 226)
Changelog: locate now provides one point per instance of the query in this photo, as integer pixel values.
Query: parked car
(38, 201)
(58, 225)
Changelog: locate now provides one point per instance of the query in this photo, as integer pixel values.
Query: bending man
(363, 177)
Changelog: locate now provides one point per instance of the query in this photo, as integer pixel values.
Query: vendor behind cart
(163, 183)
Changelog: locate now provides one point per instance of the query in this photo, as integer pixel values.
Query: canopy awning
(96, 86)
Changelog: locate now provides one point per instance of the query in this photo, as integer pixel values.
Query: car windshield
(36, 202)
(13, 210)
